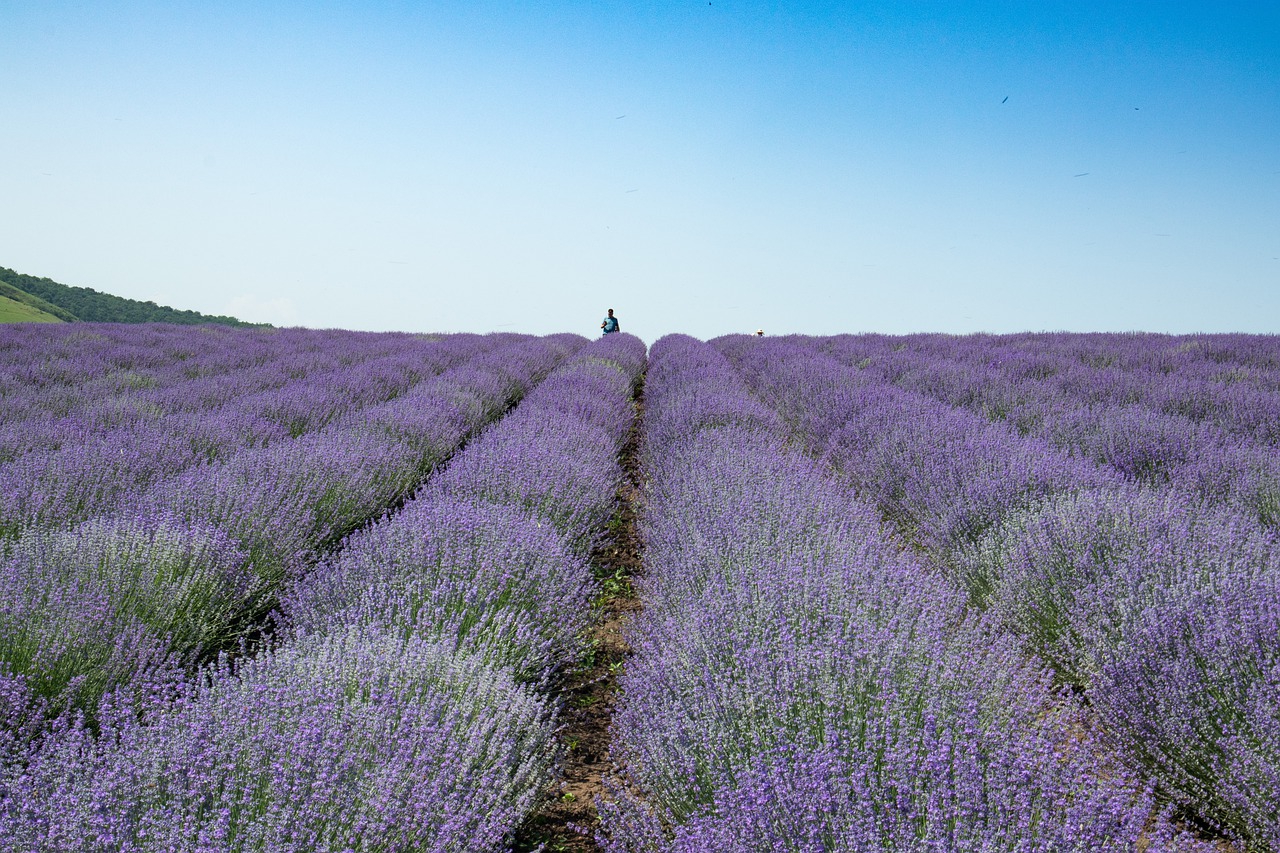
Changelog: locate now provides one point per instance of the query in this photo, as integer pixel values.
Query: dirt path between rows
(567, 818)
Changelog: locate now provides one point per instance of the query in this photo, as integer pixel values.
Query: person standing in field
(610, 323)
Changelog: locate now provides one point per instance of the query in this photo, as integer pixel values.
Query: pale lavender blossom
(356, 740)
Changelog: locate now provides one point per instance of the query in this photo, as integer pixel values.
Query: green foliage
(83, 303)
(32, 303)
(13, 311)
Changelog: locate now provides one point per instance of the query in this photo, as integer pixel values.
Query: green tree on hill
(84, 303)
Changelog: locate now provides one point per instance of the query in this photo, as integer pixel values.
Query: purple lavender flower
(1192, 694)
(350, 741)
(112, 602)
(488, 578)
(789, 641)
(1067, 574)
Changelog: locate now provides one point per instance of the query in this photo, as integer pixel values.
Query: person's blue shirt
(610, 324)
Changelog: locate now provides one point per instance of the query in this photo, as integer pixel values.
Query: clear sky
(701, 167)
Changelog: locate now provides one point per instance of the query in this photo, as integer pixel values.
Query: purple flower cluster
(165, 574)
(401, 711)
(1158, 604)
(1193, 693)
(292, 499)
(344, 741)
(150, 436)
(1196, 413)
(902, 593)
(943, 474)
(85, 611)
(801, 682)
(486, 578)
(1150, 591)
(491, 554)
(1164, 609)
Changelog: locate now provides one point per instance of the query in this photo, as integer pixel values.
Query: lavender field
(296, 590)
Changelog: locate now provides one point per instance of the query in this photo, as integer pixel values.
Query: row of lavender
(77, 464)
(1158, 603)
(58, 387)
(129, 590)
(401, 710)
(1229, 382)
(1212, 426)
(801, 682)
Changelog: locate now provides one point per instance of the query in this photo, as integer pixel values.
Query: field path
(564, 822)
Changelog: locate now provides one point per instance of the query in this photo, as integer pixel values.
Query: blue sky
(701, 167)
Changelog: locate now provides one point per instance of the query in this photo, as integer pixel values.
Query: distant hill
(82, 303)
(31, 303)
(15, 311)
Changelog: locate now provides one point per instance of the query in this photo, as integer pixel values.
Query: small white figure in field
(759, 333)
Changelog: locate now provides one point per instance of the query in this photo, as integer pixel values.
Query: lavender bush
(556, 455)
(841, 662)
(1127, 592)
(1141, 437)
(1068, 574)
(489, 579)
(1192, 694)
(1244, 476)
(1090, 510)
(389, 717)
(58, 488)
(491, 554)
(90, 610)
(1161, 608)
(83, 476)
(286, 502)
(350, 741)
(133, 596)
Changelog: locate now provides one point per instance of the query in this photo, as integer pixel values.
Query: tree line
(83, 303)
